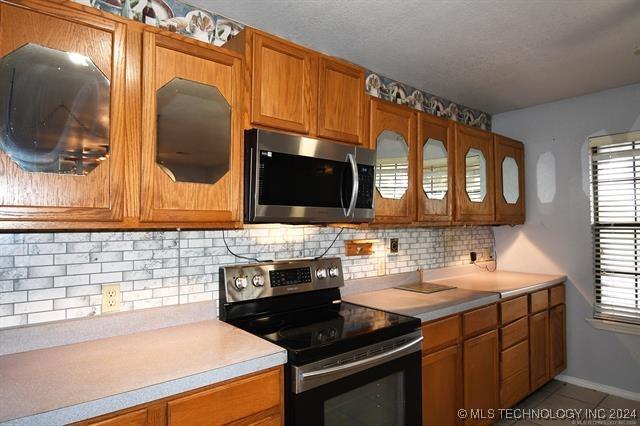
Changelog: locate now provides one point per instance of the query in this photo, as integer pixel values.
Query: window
(615, 223)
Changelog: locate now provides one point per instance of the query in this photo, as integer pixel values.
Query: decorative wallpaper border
(400, 93)
(174, 16)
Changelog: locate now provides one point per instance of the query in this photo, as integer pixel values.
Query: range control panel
(248, 282)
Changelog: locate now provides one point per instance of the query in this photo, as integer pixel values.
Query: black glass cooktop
(314, 333)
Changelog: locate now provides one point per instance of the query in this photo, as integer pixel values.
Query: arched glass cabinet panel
(392, 165)
(54, 111)
(476, 175)
(193, 132)
(435, 169)
(510, 180)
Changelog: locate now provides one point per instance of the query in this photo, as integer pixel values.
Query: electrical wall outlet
(111, 298)
(473, 256)
(394, 244)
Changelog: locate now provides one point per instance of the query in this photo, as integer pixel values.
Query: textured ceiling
(494, 55)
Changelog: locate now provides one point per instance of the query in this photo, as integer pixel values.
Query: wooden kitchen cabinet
(509, 182)
(393, 135)
(255, 399)
(474, 176)
(178, 188)
(557, 340)
(481, 371)
(539, 349)
(283, 83)
(435, 170)
(341, 101)
(442, 387)
(72, 176)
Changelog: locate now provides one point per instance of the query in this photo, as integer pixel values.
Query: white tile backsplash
(56, 276)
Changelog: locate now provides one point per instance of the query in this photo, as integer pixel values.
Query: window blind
(435, 179)
(392, 177)
(615, 219)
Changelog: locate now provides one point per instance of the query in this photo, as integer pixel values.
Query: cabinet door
(481, 373)
(442, 387)
(474, 184)
(284, 77)
(509, 168)
(435, 157)
(62, 108)
(191, 133)
(557, 340)
(341, 101)
(539, 349)
(393, 135)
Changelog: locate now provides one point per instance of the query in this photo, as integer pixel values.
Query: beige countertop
(427, 307)
(68, 383)
(506, 283)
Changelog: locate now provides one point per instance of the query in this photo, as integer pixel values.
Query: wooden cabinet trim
(505, 212)
(557, 340)
(514, 360)
(513, 309)
(513, 333)
(556, 295)
(538, 301)
(539, 349)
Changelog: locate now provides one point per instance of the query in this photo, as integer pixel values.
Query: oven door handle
(361, 362)
(354, 188)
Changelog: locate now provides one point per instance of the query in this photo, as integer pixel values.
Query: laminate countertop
(63, 384)
(506, 283)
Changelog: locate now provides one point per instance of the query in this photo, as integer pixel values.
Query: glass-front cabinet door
(509, 167)
(393, 137)
(434, 169)
(474, 179)
(190, 134)
(61, 118)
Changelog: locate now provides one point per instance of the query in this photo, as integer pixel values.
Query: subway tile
(86, 311)
(71, 237)
(84, 247)
(34, 238)
(48, 293)
(12, 273)
(47, 271)
(46, 317)
(47, 248)
(33, 283)
(84, 268)
(136, 295)
(107, 277)
(63, 259)
(34, 260)
(117, 245)
(71, 302)
(28, 307)
(84, 290)
(6, 285)
(114, 256)
(13, 321)
(117, 266)
(71, 280)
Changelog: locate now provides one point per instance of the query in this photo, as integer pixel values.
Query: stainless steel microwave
(296, 179)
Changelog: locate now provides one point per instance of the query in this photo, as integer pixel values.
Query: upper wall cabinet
(393, 133)
(474, 175)
(341, 101)
(283, 79)
(509, 167)
(191, 132)
(61, 116)
(435, 177)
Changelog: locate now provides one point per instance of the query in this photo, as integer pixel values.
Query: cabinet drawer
(228, 402)
(440, 333)
(538, 301)
(556, 295)
(514, 360)
(480, 320)
(514, 389)
(514, 333)
(513, 309)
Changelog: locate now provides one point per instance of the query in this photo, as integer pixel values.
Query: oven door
(385, 394)
(293, 179)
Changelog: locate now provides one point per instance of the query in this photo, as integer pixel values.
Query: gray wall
(556, 237)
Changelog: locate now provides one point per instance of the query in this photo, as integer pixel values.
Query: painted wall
(556, 237)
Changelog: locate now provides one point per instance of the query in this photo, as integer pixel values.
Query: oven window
(295, 180)
(377, 403)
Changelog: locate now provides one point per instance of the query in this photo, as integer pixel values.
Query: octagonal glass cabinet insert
(510, 180)
(54, 111)
(392, 165)
(435, 169)
(475, 175)
(193, 132)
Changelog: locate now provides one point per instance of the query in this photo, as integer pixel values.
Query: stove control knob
(321, 273)
(334, 272)
(240, 283)
(258, 280)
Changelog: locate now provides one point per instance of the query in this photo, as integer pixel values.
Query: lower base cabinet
(557, 340)
(251, 400)
(481, 376)
(441, 387)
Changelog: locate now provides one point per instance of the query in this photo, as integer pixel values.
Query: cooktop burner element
(426, 288)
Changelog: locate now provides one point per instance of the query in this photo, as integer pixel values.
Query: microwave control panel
(365, 186)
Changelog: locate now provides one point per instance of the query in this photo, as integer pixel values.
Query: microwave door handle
(354, 188)
(361, 362)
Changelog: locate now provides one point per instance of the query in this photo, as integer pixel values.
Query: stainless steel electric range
(347, 364)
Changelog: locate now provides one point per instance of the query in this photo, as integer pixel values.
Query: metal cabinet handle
(354, 189)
